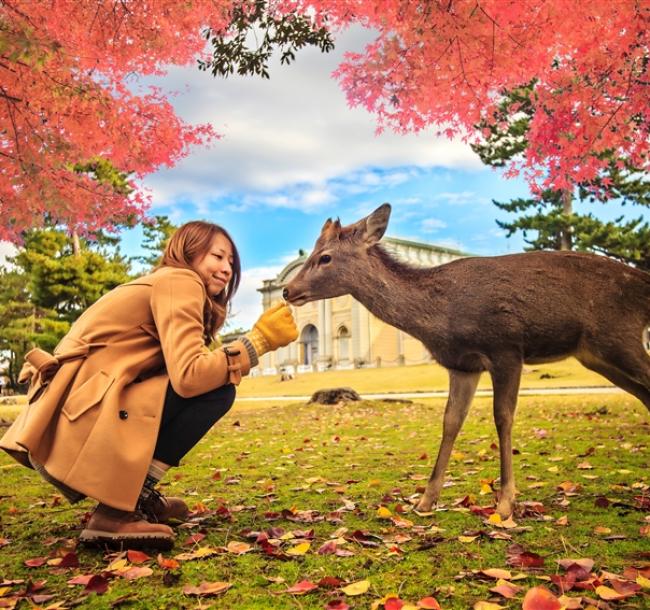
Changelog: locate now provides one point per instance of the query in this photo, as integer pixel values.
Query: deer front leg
(505, 380)
(462, 387)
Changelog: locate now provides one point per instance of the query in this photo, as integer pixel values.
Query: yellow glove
(274, 328)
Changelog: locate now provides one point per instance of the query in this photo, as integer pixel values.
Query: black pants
(186, 420)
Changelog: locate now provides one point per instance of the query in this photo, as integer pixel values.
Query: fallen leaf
(137, 572)
(302, 587)
(238, 548)
(540, 598)
(506, 589)
(299, 549)
(497, 573)
(97, 584)
(35, 562)
(167, 564)
(429, 603)
(357, 588)
(206, 589)
(336, 604)
(384, 513)
(481, 605)
(137, 556)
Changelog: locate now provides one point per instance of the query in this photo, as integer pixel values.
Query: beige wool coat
(95, 405)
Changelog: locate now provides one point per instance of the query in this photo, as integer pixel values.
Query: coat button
(124, 415)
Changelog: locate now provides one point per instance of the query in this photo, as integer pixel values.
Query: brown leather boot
(125, 530)
(162, 509)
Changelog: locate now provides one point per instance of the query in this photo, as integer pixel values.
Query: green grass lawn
(305, 475)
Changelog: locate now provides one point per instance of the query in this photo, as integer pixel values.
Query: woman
(133, 387)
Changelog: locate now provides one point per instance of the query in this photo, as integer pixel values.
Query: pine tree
(549, 220)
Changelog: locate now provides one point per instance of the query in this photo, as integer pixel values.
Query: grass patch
(299, 468)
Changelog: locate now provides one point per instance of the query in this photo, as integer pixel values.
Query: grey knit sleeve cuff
(250, 350)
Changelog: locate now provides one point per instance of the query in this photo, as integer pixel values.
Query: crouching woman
(133, 387)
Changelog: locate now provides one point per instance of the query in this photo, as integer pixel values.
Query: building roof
(283, 277)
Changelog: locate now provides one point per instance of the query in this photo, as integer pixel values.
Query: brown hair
(191, 241)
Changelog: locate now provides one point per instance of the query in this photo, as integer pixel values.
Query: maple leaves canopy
(446, 63)
(73, 123)
(68, 103)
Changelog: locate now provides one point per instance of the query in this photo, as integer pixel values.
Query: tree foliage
(550, 217)
(157, 232)
(445, 63)
(254, 33)
(47, 286)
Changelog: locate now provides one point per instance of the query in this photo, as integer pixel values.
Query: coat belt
(41, 365)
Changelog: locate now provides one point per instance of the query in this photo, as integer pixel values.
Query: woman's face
(215, 266)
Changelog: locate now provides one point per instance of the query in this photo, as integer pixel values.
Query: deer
(489, 314)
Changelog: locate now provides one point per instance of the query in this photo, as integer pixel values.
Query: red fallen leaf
(625, 588)
(4, 542)
(302, 587)
(393, 603)
(330, 582)
(525, 559)
(217, 475)
(35, 562)
(329, 548)
(41, 599)
(642, 502)
(602, 502)
(96, 584)
(564, 583)
(271, 516)
(194, 539)
(429, 603)
(137, 556)
(137, 572)
(585, 564)
(507, 590)
(69, 560)
(337, 604)
(363, 538)
(33, 587)
(633, 573)
(167, 564)
(306, 534)
(275, 532)
(540, 598)
(82, 579)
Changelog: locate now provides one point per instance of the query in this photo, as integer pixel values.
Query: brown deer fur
(490, 314)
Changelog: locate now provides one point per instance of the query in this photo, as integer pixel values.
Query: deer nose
(285, 294)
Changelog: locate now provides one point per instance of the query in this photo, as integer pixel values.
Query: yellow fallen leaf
(485, 489)
(117, 565)
(374, 483)
(563, 520)
(494, 518)
(299, 549)
(497, 573)
(601, 530)
(643, 581)
(487, 606)
(384, 513)
(608, 594)
(357, 588)
(553, 469)
(467, 539)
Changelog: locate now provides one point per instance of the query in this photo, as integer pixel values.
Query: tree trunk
(76, 248)
(566, 242)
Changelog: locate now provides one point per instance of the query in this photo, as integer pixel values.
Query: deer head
(340, 253)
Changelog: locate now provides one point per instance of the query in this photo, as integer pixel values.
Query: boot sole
(126, 541)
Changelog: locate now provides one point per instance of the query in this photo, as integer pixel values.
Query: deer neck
(391, 291)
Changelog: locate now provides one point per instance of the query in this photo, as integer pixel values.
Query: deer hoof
(424, 505)
(505, 507)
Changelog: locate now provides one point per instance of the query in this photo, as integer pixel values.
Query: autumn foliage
(446, 63)
(68, 99)
(79, 129)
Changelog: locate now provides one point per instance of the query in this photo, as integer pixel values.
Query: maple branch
(462, 67)
(495, 24)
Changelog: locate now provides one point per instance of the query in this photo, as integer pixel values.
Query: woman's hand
(275, 328)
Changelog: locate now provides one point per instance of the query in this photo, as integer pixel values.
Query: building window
(343, 340)
(309, 344)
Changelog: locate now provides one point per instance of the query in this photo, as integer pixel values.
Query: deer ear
(326, 226)
(376, 224)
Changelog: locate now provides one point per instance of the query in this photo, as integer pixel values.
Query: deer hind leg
(462, 387)
(506, 376)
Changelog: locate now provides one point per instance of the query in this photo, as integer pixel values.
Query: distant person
(133, 387)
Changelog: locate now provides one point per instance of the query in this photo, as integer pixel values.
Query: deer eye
(323, 260)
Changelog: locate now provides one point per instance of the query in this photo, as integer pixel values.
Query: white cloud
(432, 225)
(460, 198)
(6, 250)
(294, 129)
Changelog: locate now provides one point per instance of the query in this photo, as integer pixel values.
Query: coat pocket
(87, 395)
